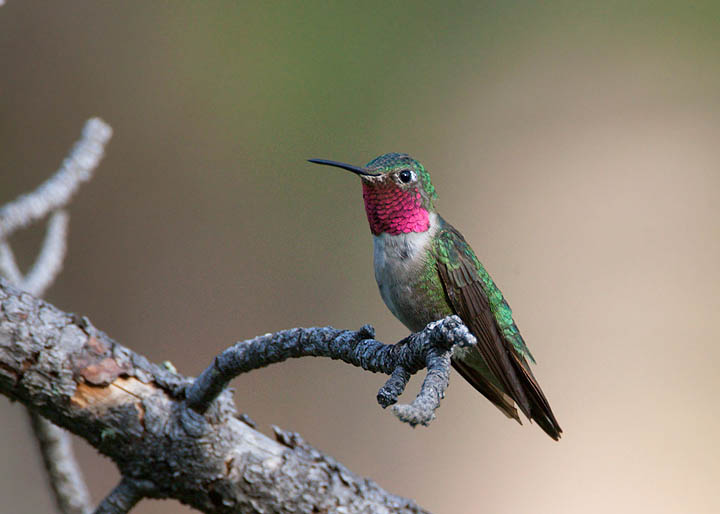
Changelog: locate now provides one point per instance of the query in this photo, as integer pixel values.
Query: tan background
(576, 145)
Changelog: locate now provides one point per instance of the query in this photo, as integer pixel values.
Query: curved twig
(8, 266)
(429, 349)
(58, 189)
(50, 260)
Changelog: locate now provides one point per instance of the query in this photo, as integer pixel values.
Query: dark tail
(540, 410)
(535, 406)
(490, 391)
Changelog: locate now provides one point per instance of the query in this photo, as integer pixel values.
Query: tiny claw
(468, 340)
(454, 331)
(453, 322)
(463, 337)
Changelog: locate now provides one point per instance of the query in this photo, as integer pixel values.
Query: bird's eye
(406, 176)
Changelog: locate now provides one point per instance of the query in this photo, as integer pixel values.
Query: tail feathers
(470, 365)
(501, 400)
(540, 410)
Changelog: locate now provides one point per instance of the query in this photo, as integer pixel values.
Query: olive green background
(576, 145)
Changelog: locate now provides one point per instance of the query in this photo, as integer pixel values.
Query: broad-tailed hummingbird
(426, 271)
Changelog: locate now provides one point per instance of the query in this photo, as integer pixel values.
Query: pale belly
(408, 282)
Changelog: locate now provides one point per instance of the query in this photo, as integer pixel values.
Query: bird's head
(398, 193)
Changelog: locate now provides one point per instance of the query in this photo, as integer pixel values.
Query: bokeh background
(576, 145)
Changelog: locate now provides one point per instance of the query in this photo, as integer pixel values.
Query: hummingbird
(425, 271)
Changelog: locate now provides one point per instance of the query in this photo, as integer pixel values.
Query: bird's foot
(449, 332)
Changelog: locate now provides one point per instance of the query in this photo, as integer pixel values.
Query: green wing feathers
(480, 304)
(456, 255)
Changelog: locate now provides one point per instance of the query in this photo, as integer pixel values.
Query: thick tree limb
(135, 412)
(64, 475)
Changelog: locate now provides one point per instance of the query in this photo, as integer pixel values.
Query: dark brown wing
(458, 270)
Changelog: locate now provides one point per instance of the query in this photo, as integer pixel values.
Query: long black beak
(355, 169)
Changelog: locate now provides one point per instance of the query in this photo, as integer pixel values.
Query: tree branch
(208, 455)
(429, 348)
(124, 497)
(58, 189)
(135, 412)
(64, 475)
(8, 266)
(65, 478)
(52, 253)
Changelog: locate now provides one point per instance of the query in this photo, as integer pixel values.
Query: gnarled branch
(64, 475)
(429, 348)
(137, 413)
(171, 436)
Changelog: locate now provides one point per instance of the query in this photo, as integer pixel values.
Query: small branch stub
(124, 497)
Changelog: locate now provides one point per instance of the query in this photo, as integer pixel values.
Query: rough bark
(134, 412)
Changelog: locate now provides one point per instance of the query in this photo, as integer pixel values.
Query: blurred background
(575, 144)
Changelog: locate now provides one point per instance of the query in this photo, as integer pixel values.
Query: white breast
(398, 260)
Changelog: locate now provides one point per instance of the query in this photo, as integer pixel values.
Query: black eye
(406, 176)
